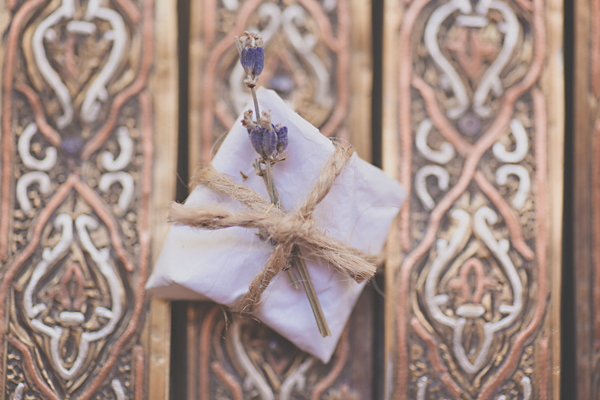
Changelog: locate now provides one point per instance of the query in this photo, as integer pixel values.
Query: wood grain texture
(586, 197)
(473, 127)
(87, 94)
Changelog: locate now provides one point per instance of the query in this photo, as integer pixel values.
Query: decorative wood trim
(164, 87)
(474, 94)
(79, 205)
(586, 196)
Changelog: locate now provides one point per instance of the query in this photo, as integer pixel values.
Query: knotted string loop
(284, 230)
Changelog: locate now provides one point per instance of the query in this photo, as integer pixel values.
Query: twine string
(272, 224)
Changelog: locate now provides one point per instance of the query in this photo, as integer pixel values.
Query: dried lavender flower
(282, 137)
(269, 143)
(252, 56)
(264, 138)
(255, 132)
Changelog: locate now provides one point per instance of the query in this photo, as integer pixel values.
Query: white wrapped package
(219, 265)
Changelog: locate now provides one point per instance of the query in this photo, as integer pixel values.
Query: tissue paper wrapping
(219, 265)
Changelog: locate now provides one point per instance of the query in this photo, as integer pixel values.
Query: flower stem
(273, 197)
(297, 258)
(255, 102)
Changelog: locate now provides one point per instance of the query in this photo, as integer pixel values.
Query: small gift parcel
(352, 219)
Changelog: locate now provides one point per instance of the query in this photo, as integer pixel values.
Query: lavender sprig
(270, 141)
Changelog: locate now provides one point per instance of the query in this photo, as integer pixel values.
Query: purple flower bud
(253, 60)
(256, 138)
(269, 142)
(252, 56)
(282, 137)
(269, 139)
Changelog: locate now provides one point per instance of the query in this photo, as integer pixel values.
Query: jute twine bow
(283, 229)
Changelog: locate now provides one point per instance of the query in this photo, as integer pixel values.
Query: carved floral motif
(243, 359)
(74, 222)
(473, 151)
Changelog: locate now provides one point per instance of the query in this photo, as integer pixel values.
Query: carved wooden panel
(473, 127)
(318, 58)
(586, 196)
(242, 359)
(79, 143)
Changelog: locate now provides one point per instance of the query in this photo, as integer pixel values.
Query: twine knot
(281, 229)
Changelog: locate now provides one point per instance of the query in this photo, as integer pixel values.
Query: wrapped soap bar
(219, 265)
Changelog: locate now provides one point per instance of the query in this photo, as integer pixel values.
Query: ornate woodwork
(240, 359)
(473, 128)
(318, 58)
(586, 196)
(79, 137)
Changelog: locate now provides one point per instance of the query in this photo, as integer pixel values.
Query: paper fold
(219, 265)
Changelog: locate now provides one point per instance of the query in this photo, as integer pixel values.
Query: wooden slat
(473, 126)
(330, 85)
(87, 113)
(586, 198)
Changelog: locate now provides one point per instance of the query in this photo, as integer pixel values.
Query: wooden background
(462, 101)
(89, 112)
(472, 100)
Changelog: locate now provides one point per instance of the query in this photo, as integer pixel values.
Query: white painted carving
(126, 144)
(118, 389)
(126, 182)
(66, 10)
(294, 17)
(490, 83)
(49, 258)
(527, 390)
(102, 259)
(470, 310)
(422, 387)
(71, 318)
(446, 251)
(97, 91)
(27, 180)
(81, 27)
(472, 21)
(296, 380)
(19, 391)
(431, 42)
(524, 182)
(521, 141)
(483, 217)
(443, 156)
(491, 79)
(30, 161)
(254, 378)
(421, 183)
